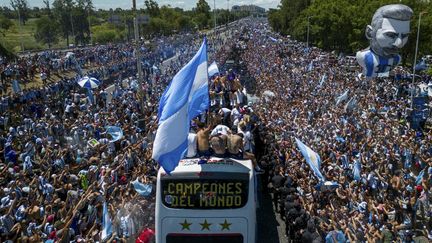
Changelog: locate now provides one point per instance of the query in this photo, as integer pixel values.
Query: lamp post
(415, 58)
(138, 53)
(228, 12)
(20, 29)
(307, 35)
(214, 15)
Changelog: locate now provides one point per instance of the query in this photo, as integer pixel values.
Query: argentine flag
(213, 69)
(106, 224)
(312, 158)
(184, 99)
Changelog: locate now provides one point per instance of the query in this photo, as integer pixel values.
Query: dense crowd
(380, 168)
(60, 163)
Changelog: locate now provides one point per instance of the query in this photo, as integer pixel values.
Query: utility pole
(228, 12)
(20, 28)
(308, 27)
(214, 15)
(89, 21)
(415, 59)
(73, 32)
(138, 54)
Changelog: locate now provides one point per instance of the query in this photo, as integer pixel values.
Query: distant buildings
(252, 9)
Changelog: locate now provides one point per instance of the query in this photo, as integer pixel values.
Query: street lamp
(307, 35)
(214, 15)
(415, 58)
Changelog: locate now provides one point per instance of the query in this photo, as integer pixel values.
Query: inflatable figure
(387, 34)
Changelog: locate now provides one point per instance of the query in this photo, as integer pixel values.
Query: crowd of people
(378, 168)
(60, 162)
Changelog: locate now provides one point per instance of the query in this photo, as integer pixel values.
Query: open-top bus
(207, 201)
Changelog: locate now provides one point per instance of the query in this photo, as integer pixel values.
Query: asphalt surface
(271, 229)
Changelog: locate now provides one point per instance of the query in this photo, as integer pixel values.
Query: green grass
(14, 36)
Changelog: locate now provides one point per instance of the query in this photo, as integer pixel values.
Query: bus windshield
(227, 191)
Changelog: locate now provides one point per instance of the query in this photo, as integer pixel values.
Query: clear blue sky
(185, 4)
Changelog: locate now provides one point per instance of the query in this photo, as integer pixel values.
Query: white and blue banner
(312, 158)
(213, 69)
(357, 170)
(115, 132)
(420, 177)
(141, 188)
(106, 224)
(16, 87)
(184, 99)
(342, 97)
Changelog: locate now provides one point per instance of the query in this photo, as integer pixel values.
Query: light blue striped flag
(106, 224)
(357, 170)
(342, 97)
(323, 79)
(16, 87)
(312, 158)
(213, 69)
(115, 132)
(184, 99)
(420, 177)
(310, 66)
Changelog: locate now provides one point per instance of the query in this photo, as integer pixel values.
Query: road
(271, 229)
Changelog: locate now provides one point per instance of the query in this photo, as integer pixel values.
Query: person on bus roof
(218, 144)
(235, 145)
(203, 136)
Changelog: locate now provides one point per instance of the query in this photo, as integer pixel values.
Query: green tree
(62, 12)
(152, 8)
(202, 14)
(105, 33)
(47, 31)
(22, 9)
(5, 24)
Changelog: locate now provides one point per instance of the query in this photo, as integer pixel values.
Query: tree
(62, 10)
(47, 31)
(105, 33)
(5, 24)
(152, 8)
(22, 8)
(203, 7)
(340, 24)
(47, 7)
(202, 14)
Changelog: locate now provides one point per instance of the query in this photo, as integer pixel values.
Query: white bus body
(207, 202)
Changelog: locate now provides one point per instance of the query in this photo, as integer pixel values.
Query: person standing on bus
(235, 146)
(203, 137)
(218, 144)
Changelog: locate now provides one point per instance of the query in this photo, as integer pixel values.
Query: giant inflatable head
(387, 34)
(389, 29)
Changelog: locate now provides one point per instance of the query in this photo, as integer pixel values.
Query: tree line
(339, 25)
(79, 23)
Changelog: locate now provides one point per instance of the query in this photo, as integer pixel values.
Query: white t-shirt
(220, 128)
(192, 145)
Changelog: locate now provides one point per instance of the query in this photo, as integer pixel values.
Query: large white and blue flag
(184, 99)
(312, 158)
(342, 97)
(213, 69)
(106, 224)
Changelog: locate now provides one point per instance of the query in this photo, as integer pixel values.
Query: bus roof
(212, 164)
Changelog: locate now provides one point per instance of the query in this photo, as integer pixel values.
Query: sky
(185, 4)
